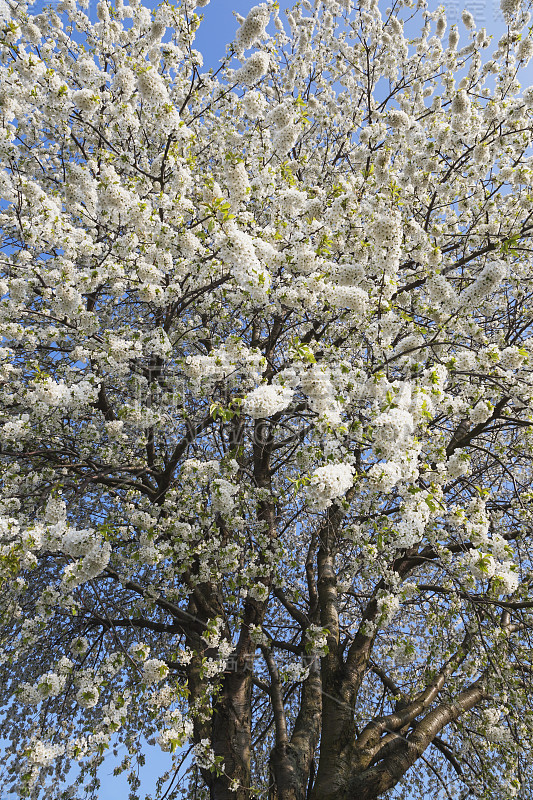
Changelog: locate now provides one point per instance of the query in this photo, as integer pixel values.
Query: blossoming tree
(266, 403)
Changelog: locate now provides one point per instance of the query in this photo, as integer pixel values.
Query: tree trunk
(231, 737)
(336, 751)
(338, 725)
(289, 776)
(292, 763)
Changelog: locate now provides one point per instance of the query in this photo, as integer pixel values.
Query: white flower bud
(468, 19)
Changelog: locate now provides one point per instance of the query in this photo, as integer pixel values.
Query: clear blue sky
(219, 27)
(217, 30)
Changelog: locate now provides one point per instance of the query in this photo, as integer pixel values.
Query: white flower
(441, 26)
(328, 483)
(152, 87)
(68, 301)
(284, 139)
(44, 754)
(403, 652)
(140, 650)
(481, 412)
(453, 38)
(506, 577)
(468, 19)
(441, 292)
(257, 636)
(509, 7)
(253, 69)
(265, 401)
(525, 50)
(237, 182)
(386, 230)
(64, 666)
(222, 496)
(114, 429)
(398, 119)
(203, 754)
(154, 670)
(384, 477)
(351, 297)
(317, 640)
(295, 672)
(317, 385)
(480, 565)
(87, 100)
(87, 696)
(253, 27)
(92, 565)
(125, 82)
(55, 510)
(49, 685)
(238, 251)
(184, 656)
(281, 115)
(387, 607)
(458, 464)
(253, 104)
(203, 471)
(392, 430)
(79, 646)
(461, 103)
(487, 281)
(259, 591)
(170, 739)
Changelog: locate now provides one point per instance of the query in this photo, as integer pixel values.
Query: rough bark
(231, 736)
(232, 711)
(364, 766)
(291, 761)
(405, 750)
(341, 680)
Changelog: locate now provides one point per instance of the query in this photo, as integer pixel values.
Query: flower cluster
(151, 87)
(171, 739)
(237, 182)
(392, 430)
(487, 281)
(239, 252)
(223, 496)
(154, 670)
(317, 385)
(265, 401)
(286, 131)
(329, 483)
(383, 477)
(317, 640)
(253, 69)
(253, 104)
(253, 27)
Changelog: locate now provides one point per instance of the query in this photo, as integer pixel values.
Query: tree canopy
(266, 402)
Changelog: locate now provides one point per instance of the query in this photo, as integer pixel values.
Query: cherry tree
(266, 402)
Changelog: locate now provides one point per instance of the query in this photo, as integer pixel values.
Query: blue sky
(219, 25)
(217, 30)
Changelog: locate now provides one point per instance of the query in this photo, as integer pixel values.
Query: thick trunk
(368, 786)
(225, 720)
(231, 737)
(289, 771)
(338, 724)
(397, 755)
(292, 763)
(336, 751)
